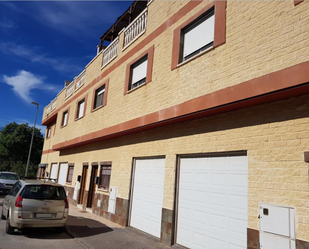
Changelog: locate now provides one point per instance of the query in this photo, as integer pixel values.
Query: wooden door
(82, 185)
(94, 172)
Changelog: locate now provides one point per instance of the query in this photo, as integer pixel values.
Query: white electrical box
(277, 229)
(112, 200)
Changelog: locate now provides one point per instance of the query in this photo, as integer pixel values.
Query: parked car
(35, 203)
(7, 180)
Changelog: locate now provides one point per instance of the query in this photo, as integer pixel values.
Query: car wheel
(2, 216)
(60, 229)
(9, 229)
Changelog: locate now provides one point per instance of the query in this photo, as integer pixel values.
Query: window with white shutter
(65, 118)
(99, 97)
(138, 72)
(197, 36)
(80, 109)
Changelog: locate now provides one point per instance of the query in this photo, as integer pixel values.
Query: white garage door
(147, 198)
(63, 173)
(212, 203)
(54, 171)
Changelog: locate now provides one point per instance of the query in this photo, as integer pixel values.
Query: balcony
(69, 90)
(135, 29)
(52, 106)
(110, 52)
(80, 79)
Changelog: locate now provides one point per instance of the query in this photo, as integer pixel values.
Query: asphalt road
(35, 238)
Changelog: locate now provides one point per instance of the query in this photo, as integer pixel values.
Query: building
(192, 124)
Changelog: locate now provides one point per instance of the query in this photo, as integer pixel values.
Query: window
(105, 175)
(70, 174)
(203, 31)
(138, 72)
(80, 109)
(65, 118)
(99, 97)
(197, 36)
(48, 133)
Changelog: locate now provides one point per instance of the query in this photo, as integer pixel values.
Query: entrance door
(82, 185)
(63, 171)
(94, 172)
(53, 171)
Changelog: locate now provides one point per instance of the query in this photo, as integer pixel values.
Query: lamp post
(36, 115)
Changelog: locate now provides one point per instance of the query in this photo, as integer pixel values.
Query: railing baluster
(135, 29)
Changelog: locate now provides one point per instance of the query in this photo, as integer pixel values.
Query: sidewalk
(93, 232)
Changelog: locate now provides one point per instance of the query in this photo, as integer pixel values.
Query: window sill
(194, 57)
(79, 118)
(62, 126)
(135, 88)
(68, 183)
(93, 110)
(103, 190)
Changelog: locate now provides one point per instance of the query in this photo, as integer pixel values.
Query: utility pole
(36, 115)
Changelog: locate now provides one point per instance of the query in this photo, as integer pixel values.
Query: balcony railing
(48, 109)
(110, 52)
(69, 90)
(80, 80)
(135, 29)
(53, 104)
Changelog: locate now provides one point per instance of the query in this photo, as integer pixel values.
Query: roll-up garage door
(212, 202)
(63, 173)
(147, 200)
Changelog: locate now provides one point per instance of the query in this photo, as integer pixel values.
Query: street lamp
(36, 115)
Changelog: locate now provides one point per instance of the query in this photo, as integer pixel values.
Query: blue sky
(42, 44)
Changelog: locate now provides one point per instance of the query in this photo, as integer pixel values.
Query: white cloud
(36, 56)
(24, 82)
(6, 24)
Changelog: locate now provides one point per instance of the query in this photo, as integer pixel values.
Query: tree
(14, 148)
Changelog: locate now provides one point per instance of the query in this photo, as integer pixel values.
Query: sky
(43, 44)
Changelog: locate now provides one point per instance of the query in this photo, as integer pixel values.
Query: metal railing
(69, 90)
(110, 52)
(135, 29)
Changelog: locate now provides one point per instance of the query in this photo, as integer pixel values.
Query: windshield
(43, 192)
(9, 176)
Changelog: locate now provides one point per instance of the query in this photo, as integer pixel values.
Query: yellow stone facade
(262, 37)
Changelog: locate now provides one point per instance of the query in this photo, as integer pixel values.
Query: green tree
(14, 148)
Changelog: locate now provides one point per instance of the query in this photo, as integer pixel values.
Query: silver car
(7, 180)
(35, 203)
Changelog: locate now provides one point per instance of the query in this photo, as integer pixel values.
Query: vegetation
(14, 148)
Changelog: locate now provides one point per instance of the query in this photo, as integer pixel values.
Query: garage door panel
(147, 196)
(238, 203)
(212, 201)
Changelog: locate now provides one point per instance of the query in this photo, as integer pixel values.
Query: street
(35, 238)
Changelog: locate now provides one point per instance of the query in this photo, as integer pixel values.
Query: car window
(9, 176)
(43, 192)
(15, 189)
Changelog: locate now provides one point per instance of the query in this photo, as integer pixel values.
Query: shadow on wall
(279, 111)
(80, 227)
